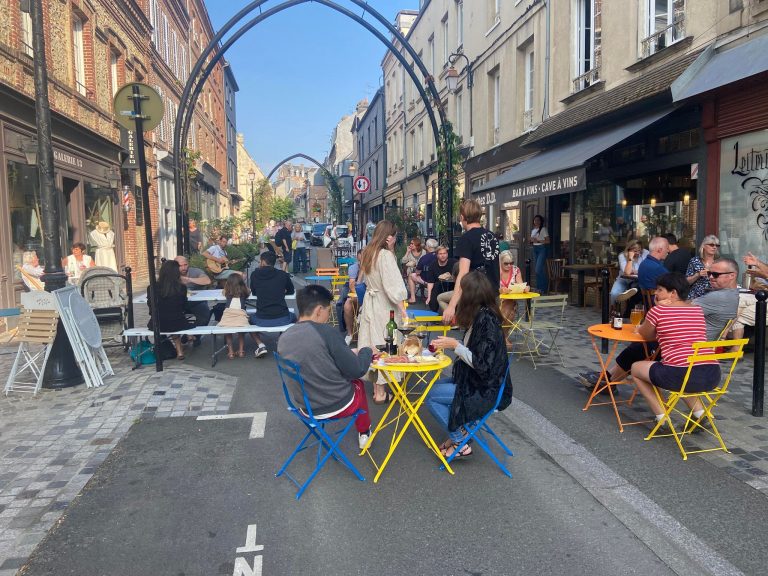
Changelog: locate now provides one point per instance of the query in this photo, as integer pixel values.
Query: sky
(300, 71)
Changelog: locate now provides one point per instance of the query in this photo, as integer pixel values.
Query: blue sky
(299, 72)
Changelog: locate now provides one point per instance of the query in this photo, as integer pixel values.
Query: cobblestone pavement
(745, 435)
(51, 444)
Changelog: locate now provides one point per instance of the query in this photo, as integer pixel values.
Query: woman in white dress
(385, 291)
(104, 239)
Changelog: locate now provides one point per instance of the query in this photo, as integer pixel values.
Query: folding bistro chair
(649, 298)
(477, 430)
(540, 335)
(709, 399)
(326, 445)
(557, 275)
(35, 334)
(337, 283)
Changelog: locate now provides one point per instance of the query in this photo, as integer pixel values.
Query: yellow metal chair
(545, 320)
(709, 399)
(337, 282)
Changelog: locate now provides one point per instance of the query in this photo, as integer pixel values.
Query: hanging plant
(449, 148)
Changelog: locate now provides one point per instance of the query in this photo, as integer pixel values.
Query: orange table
(626, 334)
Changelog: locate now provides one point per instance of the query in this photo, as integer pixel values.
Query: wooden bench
(214, 331)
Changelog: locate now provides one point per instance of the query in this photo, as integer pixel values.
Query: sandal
(465, 451)
(241, 354)
(179, 356)
(231, 355)
(388, 397)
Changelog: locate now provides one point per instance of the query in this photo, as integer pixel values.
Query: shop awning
(714, 69)
(561, 169)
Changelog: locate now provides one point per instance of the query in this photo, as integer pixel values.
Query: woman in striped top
(676, 325)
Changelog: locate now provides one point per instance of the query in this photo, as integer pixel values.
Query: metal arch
(182, 122)
(299, 155)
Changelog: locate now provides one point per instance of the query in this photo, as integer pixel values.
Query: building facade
(91, 50)
(230, 118)
(371, 155)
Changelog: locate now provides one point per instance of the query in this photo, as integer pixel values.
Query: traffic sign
(362, 184)
(151, 107)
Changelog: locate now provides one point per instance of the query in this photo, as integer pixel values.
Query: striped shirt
(677, 328)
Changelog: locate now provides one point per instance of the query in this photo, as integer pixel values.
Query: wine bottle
(391, 325)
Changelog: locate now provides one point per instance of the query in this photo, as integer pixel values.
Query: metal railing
(527, 120)
(665, 37)
(586, 80)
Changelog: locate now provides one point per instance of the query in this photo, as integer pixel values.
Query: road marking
(257, 427)
(250, 541)
(242, 568)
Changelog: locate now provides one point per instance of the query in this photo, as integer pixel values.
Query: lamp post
(61, 368)
(251, 178)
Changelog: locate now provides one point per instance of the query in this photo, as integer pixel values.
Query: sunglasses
(713, 244)
(717, 274)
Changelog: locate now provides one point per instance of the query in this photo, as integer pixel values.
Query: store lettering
(67, 159)
(489, 198)
(749, 162)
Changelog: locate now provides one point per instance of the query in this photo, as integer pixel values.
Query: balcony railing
(527, 120)
(586, 80)
(665, 37)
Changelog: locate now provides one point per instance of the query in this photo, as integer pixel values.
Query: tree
(282, 208)
(262, 204)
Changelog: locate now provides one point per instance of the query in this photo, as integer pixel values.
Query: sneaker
(362, 439)
(348, 339)
(589, 379)
(261, 351)
(626, 295)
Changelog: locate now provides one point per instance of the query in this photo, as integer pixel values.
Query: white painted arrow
(257, 428)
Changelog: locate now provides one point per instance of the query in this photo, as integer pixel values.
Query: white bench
(204, 331)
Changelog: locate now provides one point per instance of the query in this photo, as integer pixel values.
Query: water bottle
(746, 279)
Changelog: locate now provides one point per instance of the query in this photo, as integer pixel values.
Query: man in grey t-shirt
(195, 279)
(721, 303)
(331, 371)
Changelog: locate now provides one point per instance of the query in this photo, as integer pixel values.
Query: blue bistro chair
(327, 446)
(477, 433)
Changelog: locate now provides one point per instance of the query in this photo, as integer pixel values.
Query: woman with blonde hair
(385, 291)
(509, 274)
(698, 266)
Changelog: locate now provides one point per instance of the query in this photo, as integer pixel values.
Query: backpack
(143, 350)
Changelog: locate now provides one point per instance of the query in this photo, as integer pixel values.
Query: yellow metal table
(410, 383)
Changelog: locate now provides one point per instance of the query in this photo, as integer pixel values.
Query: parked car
(307, 229)
(318, 230)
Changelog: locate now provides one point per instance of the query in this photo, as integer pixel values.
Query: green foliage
(449, 148)
(406, 221)
(262, 204)
(215, 227)
(242, 252)
(334, 193)
(190, 158)
(282, 208)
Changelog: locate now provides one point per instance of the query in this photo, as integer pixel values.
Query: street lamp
(452, 75)
(251, 178)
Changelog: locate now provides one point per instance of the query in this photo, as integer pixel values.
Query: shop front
(87, 184)
(637, 180)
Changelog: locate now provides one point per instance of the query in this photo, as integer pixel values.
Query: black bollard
(605, 298)
(528, 271)
(129, 289)
(758, 379)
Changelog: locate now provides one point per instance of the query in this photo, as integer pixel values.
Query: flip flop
(180, 357)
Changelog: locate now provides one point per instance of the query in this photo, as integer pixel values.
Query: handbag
(144, 351)
(293, 244)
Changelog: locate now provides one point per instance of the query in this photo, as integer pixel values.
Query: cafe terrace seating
(327, 445)
(680, 420)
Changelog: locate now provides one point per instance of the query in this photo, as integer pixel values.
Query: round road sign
(362, 184)
(151, 107)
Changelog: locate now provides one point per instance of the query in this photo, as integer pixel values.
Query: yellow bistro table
(410, 383)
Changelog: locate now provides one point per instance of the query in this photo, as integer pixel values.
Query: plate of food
(403, 360)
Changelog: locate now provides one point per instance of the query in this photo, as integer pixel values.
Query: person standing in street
(477, 249)
(299, 246)
(539, 240)
(283, 241)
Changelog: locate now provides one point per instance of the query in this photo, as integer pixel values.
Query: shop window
(25, 212)
(677, 142)
(99, 209)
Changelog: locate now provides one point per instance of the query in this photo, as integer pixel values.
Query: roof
(613, 103)
(714, 69)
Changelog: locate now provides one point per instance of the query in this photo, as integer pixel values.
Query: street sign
(151, 107)
(362, 184)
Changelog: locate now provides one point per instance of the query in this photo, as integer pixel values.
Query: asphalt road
(177, 497)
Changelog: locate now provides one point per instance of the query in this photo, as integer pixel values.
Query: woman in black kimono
(481, 362)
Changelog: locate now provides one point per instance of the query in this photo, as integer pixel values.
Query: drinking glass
(637, 314)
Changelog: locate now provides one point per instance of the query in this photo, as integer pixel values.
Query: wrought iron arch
(299, 155)
(197, 79)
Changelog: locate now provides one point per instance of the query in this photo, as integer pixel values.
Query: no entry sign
(362, 184)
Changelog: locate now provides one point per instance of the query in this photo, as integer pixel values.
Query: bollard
(528, 271)
(605, 300)
(129, 290)
(758, 379)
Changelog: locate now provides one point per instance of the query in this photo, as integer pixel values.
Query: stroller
(107, 294)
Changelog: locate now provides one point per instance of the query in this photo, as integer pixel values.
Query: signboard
(151, 106)
(560, 183)
(128, 142)
(362, 184)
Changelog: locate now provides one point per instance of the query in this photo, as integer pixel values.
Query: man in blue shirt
(651, 268)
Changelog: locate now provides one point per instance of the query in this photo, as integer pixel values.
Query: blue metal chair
(477, 430)
(326, 445)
